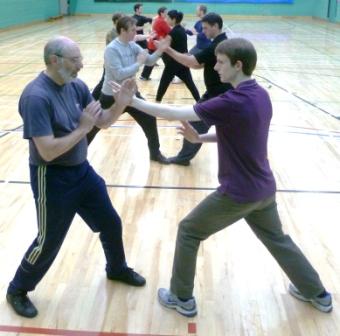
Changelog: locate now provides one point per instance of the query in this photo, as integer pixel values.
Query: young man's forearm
(165, 111)
(207, 137)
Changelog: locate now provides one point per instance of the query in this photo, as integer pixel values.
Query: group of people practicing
(128, 48)
(61, 117)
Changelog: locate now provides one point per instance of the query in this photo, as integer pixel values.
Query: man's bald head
(59, 46)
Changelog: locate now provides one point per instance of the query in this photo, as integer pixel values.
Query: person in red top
(161, 29)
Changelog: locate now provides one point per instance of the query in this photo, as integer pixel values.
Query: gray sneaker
(323, 304)
(169, 300)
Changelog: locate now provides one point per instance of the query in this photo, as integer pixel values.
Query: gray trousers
(217, 212)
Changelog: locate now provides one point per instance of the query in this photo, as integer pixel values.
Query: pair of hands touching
(90, 115)
(161, 46)
(123, 95)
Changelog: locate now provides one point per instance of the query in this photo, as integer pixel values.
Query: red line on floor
(63, 332)
(192, 328)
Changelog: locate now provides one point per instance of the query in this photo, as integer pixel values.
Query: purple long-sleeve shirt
(241, 117)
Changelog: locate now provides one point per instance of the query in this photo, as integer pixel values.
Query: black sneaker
(178, 161)
(129, 277)
(21, 304)
(160, 158)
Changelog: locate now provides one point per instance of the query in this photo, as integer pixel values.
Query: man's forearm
(185, 59)
(50, 147)
(153, 58)
(110, 116)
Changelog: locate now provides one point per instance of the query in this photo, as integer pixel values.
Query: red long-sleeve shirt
(161, 28)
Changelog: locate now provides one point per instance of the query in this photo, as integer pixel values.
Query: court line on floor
(298, 97)
(274, 128)
(136, 186)
(274, 69)
(65, 332)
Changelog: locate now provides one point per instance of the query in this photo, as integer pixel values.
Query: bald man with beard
(58, 111)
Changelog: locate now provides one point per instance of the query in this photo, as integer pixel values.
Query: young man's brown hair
(239, 49)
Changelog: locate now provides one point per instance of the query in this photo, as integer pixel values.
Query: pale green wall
(337, 19)
(315, 8)
(299, 8)
(14, 12)
(321, 9)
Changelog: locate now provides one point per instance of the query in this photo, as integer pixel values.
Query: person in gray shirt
(122, 59)
(58, 111)
(110, 36)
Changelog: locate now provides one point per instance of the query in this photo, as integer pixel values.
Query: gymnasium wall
(15, 12)
(337, 17)
(320, 9)
(298, 8)
(315, 8)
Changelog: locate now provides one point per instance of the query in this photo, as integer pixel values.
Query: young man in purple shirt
(247, 188)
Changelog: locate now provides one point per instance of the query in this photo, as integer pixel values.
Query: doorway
(332, 9)
(64, 7)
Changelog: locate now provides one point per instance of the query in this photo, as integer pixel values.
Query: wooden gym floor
(240, 289)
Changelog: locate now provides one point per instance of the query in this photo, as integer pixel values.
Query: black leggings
(98, 88)
(170, 71)
(145, 121)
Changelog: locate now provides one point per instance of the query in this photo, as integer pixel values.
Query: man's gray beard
(65, 75)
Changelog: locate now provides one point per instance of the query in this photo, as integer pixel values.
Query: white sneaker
(169, 300)
(176, 80)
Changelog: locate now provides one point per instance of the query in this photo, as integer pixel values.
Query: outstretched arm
(185, 59)
(165, 111)
(169, 112)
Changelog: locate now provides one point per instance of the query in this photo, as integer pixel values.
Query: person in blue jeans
(58, 111)
(247, 187)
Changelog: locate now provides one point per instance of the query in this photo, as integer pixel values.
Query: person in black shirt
(141, 21)
(179, 42)
(212, 24)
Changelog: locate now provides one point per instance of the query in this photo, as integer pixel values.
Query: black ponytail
(174, 14)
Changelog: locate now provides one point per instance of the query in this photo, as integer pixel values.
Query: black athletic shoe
(160, 158)
(21, 304)
(129, 277)
(178, 161)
